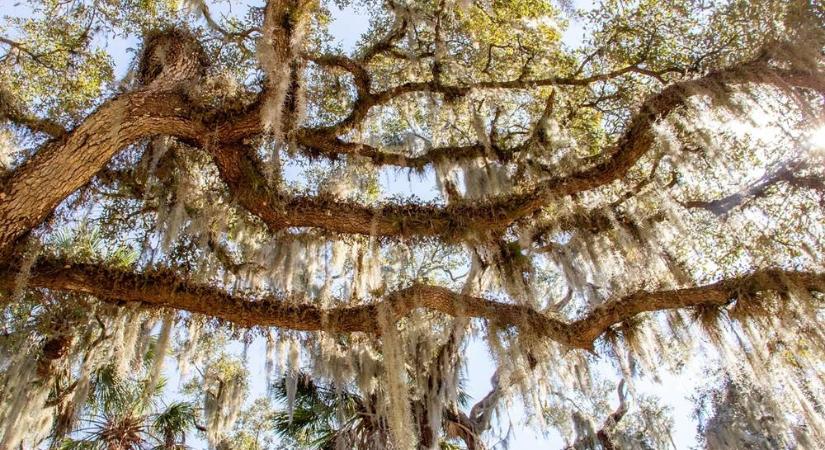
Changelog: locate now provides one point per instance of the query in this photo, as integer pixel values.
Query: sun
(816, 139)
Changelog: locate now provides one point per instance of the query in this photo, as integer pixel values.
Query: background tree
(651, 193)
(127, 414)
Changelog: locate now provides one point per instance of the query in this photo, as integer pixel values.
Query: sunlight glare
(817, 138)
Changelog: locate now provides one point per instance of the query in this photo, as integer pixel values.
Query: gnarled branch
(455, 220)
(164, 288)
(786, 173)
(35, 189)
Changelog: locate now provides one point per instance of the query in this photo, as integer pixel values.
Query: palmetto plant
(322, 414)
(126, 414)
(326, 417)
(637, 194)
(90, 245)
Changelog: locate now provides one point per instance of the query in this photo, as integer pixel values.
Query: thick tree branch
(61, 167)
(35, 189)
(279, 211)
(168, 61)
(165, 289)
(786, 172)
(454, 221)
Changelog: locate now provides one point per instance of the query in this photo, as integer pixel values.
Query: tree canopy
(596, 209)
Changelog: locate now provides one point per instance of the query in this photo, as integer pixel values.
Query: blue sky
(347, 28)
(673, 390)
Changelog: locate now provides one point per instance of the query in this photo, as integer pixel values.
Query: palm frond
(79, 444)
(173, 422)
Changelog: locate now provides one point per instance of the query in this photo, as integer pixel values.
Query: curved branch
(367, 100)
(456, 220)
(62, 166)
(248, 186)
(35, 189)
(397, 30)
(20, 47)
(325, 140)
(163, 288)
(169, 61)
(603, 435)
(786, 172)
(360, 75)
(334, 147)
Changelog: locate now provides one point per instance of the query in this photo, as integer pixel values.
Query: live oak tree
(643, 198)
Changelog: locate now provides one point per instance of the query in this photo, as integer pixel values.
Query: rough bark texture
(62, 166)
(172, 62)
(165, 289)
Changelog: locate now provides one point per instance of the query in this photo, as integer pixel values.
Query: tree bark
(166, 289)
(62, 166)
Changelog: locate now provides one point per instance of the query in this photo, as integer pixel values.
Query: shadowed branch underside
(167, 290)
